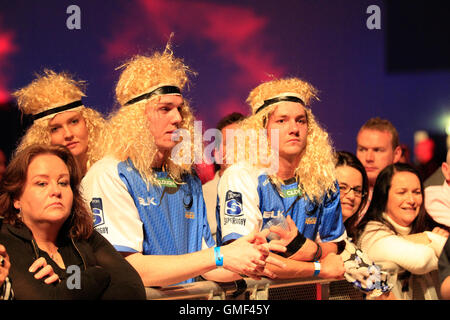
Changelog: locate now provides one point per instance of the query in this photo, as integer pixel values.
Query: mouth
(55, 205)
(410, 209)
(347, 205)
(71, 145)
(370, 169)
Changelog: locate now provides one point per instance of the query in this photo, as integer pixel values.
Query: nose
(176, 117)
(294, 127)
(68, 135)
(410, 198)
(55, 190)
(369, 156)
(351, 194)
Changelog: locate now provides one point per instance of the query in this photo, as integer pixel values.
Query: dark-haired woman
(46, 220)
(353, 189)
(394, 232)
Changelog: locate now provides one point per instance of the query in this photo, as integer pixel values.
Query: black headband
(279, 99)
(160, 90)
(57, 109)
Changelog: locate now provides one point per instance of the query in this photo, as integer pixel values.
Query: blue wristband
(218, 257)
(316, 268)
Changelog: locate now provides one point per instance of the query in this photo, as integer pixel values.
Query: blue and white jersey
(135, 217)
(247, 200)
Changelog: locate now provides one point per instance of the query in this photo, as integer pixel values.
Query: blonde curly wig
(51, 90)
(127, 134)
(315, 171)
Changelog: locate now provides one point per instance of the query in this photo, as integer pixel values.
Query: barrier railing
(264, 289)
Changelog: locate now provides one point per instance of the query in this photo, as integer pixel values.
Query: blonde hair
(315, 172)
(140, 75)
(51, 90)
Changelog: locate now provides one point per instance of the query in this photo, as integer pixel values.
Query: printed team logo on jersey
(97, 211)
(189, 215)
(233, 209)
(233, 204)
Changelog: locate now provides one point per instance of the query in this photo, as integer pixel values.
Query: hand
(286, 236)
(248, 255)
(441, 232)
(4, 264)
(46, 271)
(332, 267)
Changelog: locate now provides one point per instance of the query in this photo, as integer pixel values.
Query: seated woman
(353, 188)
(45, 220)
(393, 231)
(59, 117)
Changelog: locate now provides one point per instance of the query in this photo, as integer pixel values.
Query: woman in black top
(46, 219)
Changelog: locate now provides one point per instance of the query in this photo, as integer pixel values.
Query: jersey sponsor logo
(102, 230)
(291, 193)
(272, 214)
(234, 221)
(146, 202)
(97, 211)
(189, 215)
(312, 220)
(233, 204)
(167, 182)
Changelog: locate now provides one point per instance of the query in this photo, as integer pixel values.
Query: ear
(446, 171)
(397, 154)
(17, 204)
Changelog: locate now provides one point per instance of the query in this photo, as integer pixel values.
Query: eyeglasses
(357, 191)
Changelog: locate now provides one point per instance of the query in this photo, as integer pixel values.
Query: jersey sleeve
(238, 203)
(115, 214)
(207, 238)
(331, 227)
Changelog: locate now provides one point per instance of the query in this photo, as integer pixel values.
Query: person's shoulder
(242, 170)
(104, 162)
(434, 190)
(105, 165)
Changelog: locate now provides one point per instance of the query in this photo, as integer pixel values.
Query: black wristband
(318, 253)
(294, 245)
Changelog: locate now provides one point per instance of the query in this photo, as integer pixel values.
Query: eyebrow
(67, 120)
(42, 175)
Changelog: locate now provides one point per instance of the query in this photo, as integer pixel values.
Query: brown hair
(379, 124)
(79, 225)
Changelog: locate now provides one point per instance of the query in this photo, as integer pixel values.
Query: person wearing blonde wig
(302, 192)
(148, 206)
(59, 116)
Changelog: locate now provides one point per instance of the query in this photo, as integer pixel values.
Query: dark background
(401, 72)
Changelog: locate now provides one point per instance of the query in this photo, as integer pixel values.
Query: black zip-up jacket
(104, 273)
